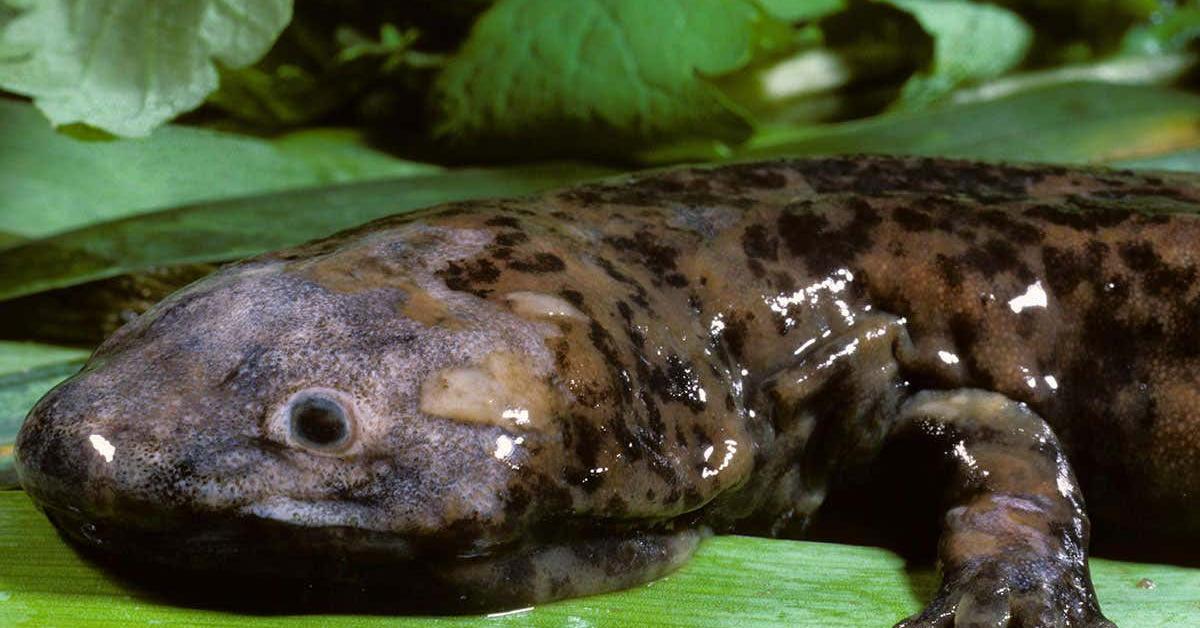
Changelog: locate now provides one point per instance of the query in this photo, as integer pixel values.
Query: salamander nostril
(318, 422)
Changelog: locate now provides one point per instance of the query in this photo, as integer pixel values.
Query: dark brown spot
(808, 235)
(503, 221)
(511, 238)
(758, 244)
(912, 220)
(539, 263)
(470, 276)
(1156, 276)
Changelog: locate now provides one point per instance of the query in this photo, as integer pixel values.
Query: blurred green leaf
(51, 182)
(27, 371)
(971, 42)
(1072, 124)
(802, 10)
(1139, 69)
(230, 229)
(1074, 31)
(902, 54)
(732, 581)
(342, 156)
(600, 76)
(128, 66)
(1182, 161)
(1173, 28)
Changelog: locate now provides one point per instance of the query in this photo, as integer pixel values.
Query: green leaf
(732, 581)
(230, 229)
(1130, 69)
(316, 67)
(342, 156)
(600, 76)
(904, 54)
(1174, 27)
(1182, 161)
(128, 66)
(802, 10)
(971, 42)
(27, 371)
(57, 182)
(1074, 31)
(1072, 123)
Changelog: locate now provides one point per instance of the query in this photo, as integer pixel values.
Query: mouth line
(251, 542)
(201, 538)
(246, 563)
(310, 514)
(283, 577)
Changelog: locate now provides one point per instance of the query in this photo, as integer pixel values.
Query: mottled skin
(560, 395)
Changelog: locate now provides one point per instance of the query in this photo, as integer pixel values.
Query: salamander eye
(319, 422)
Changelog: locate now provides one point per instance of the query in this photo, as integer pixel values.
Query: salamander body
(524, 400)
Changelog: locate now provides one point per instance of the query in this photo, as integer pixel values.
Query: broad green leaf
(128, 66)
(27, 371)
(342, 156)
(226, 230)
(1182, 161)
(50, 182)
(1075, 123)
(802, 10)
(1132, 69)
(17, 357)
(972, 42)
(732, 581)
(600, 76)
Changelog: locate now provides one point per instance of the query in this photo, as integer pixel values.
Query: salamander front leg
(1013, 549)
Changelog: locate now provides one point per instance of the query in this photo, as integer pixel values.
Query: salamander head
(341, 404)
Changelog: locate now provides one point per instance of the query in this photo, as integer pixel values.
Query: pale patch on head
(425, 308)
(351, 271)
(387, 259)
(503, 390)
(539, 305)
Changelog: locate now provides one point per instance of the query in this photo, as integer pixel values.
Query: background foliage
(143, 141)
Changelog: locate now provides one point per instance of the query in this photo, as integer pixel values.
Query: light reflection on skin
(960, 451)
(505, 446)
(1030, 380)
(520, 416)
(807, 343)
(834, 284)
(849, 349)
(1034, 296)
(731, 447)
(717, 325)
(102, 446)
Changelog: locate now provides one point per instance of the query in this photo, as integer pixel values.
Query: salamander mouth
(260, 565)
